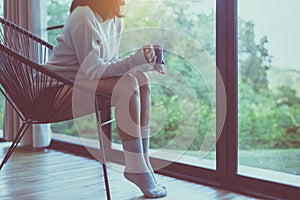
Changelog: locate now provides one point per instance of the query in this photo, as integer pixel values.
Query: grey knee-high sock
(145, 132)
(138, 172)
(146, 143)
(134, 159)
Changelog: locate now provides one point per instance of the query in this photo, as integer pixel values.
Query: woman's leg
(127, 98)
(145, 99)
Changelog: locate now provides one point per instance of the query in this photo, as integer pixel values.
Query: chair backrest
(36, 93)
(22, 77)
(24, 42)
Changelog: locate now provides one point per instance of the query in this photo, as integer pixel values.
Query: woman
(87, 49)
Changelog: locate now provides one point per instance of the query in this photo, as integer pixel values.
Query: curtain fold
(31, 15)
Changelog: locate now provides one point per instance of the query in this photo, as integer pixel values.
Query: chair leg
(17, 139)
(106, 181)
(102, 151)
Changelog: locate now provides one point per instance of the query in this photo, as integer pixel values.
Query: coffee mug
(158, 48)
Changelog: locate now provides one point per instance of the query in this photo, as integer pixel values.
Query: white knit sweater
(88, 48)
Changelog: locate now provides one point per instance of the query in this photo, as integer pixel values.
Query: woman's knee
(142, 78)
(127, 85)
(128, 81)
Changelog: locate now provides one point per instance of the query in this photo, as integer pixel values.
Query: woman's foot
(147, 184)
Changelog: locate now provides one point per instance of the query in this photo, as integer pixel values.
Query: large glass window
(269, 90)
(183, 111)
(183, 100)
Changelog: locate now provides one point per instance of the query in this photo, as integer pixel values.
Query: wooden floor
(53, 175)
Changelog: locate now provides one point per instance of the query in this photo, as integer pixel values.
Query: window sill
(269, 175)
(92, 145)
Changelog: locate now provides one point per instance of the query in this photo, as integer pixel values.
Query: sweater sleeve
(89, 52)
(95, 67)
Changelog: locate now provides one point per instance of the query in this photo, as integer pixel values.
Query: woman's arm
(95, 67)
(89, 53)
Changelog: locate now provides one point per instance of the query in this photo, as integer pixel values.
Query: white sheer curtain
(31, 15)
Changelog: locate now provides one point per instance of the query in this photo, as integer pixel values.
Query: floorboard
(49, 174)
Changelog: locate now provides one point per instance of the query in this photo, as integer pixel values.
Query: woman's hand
(149, 54)
(150, 57)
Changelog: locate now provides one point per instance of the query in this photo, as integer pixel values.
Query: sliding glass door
(183, 124)
(184, 99)
(269, 90)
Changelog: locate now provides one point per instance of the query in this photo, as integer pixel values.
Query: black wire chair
(40, 96)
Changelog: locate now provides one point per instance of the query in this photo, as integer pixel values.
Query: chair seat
(56, 104)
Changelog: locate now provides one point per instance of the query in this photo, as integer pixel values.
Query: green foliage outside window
(269, 117)
(58, 13)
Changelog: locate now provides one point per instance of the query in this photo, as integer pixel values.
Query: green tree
(265, 120)
(287, 96)
(254, 58)
(288, 107)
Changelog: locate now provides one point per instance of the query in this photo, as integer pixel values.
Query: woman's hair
(105, 8)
